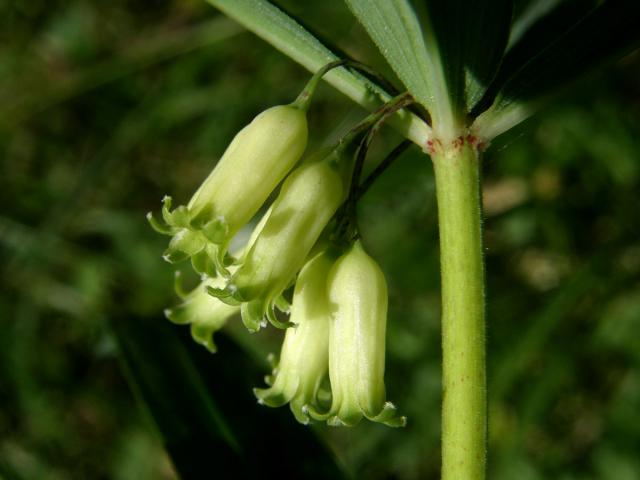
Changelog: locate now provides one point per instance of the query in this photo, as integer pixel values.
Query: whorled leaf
(571, 48)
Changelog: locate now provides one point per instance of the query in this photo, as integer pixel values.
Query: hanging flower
(304, 357)
(357, 292)
(308, 199)
(255, 162)
(205, 313)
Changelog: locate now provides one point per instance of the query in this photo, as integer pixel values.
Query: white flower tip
(335, 422)
(181, 234)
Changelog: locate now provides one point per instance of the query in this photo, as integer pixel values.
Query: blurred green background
(107, 106)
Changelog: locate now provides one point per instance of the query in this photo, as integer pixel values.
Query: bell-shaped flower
(255, 162)
(357, 293)
(308, 199)
(305, 352)
(205, 313)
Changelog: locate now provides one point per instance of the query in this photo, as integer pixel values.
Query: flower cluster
(331, 367)
(339, 313)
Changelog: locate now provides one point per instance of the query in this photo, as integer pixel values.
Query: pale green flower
(308, 199)
(304, 357)
(255, 162)
(357, 293)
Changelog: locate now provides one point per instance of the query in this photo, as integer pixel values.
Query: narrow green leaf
(451, 66)
(288, 36)
(486, 26)
(471, 36)
(205, 411)
(604, 33)
(526, 14)
(394, 27)
(545, 22)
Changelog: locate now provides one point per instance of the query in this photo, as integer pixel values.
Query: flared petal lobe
(204, 313)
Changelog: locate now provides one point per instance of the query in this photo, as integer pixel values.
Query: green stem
(464, 405)
(304, 99)
(346, 229)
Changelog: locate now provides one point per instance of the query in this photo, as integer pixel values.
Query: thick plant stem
(464, 405)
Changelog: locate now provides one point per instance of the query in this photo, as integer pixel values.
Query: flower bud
(357, 292)
(304, 357)
(308, 199)
(205, 313)
(255, 162)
